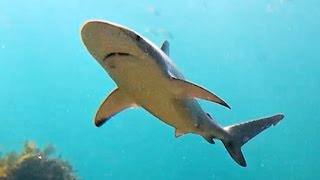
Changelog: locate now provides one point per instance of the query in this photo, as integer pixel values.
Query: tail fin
(243, 132)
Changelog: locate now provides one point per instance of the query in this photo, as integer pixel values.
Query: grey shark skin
(146, 77)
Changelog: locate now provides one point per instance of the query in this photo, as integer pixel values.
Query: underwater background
(262, 57)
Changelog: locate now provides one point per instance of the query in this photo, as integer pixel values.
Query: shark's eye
(137, 38)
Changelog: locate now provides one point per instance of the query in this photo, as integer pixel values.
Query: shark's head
(104, 39)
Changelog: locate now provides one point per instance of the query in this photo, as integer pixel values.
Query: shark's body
(146, 77)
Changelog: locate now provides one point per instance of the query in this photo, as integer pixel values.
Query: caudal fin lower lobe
(243, 132)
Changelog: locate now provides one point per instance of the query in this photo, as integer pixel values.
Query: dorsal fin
(165, 47)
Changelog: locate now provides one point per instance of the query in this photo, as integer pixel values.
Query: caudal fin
(243, 132)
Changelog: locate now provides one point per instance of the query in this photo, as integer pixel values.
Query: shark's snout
(104, 39)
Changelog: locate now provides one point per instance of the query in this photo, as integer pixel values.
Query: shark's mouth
(115, 54)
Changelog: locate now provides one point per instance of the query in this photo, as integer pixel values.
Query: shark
(146, 77)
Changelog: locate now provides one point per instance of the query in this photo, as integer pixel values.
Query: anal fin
(113, 103)
(209, 139)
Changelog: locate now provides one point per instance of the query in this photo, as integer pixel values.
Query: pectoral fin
(188, 89)
(114, 103)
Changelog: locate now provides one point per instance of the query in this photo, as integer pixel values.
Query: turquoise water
(262, 57)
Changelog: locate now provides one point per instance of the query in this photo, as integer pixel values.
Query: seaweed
(35, 164)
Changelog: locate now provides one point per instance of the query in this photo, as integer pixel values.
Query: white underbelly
(150, 88)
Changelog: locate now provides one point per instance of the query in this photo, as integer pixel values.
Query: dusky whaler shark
(146, 77)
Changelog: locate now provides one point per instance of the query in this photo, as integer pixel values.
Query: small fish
(146, 77)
